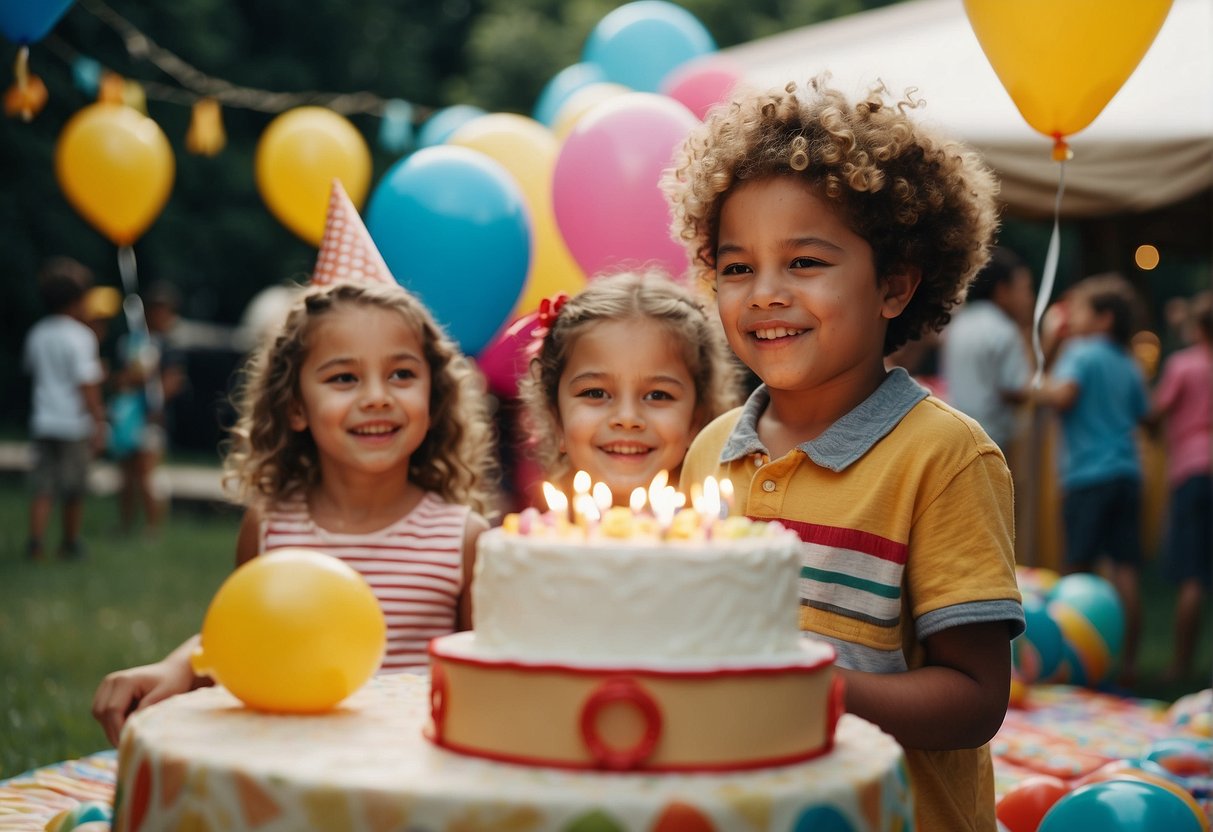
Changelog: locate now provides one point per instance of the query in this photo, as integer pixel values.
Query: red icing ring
(620, 689)
(835, 709)
(438, 695)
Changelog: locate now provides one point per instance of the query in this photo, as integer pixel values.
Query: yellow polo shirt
(906, 511)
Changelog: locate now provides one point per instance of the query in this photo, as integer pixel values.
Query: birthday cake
(621, 677)
(634, 645)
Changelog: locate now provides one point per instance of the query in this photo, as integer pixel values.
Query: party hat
(347, 251)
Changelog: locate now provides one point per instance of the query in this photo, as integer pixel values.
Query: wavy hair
(647, 294)
(266, 461)
(920, 201)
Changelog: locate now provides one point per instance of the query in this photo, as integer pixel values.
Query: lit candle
(637, 500)
(585, 513)
(709, 509)
(726, 492)
(664, 504)
(558, 504)
(603, 498)
(656, 487)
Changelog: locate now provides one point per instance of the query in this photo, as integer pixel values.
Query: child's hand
(125, 691)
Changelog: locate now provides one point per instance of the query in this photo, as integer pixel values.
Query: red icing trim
(438, 694)
(835, 708)
(436, 651)
(689, 768)
(620, 689)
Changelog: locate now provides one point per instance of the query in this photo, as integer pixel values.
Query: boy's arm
(91, 393)
(958, 700)
(123, 692)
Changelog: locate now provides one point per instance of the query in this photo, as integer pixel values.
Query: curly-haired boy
(833, 232)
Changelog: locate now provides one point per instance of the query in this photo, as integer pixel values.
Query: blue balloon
(1043, 637)
(1120, 806)
(453, 227)
(1098, 602)
(640, 43)
(561, 85)
(26, 21)
(439, 127)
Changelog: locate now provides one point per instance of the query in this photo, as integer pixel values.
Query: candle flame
(585, 510)
(603, 498)
(656, 487)
(581, 482)
(709, 509)
(637, 500)
(554, 497)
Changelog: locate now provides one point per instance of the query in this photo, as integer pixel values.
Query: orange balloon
(298, 157)
(1062, 62)
(1023, 806)
(116, 168)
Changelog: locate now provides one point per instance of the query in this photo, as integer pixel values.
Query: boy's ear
(899, 289)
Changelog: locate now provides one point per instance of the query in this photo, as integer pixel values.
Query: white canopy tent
(1151, 146)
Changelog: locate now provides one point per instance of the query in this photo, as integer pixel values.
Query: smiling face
(798, 292)
(626, 404)
(364, 391)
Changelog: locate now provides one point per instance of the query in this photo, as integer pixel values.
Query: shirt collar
(843, 442)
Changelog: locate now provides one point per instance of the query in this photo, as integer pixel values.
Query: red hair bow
(549, 309)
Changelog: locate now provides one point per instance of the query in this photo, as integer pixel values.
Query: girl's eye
(342, 378)
(659, 395)
(592, 393)
(404, 374)
(735, 269)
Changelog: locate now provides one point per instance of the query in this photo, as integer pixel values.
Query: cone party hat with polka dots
(347, 251)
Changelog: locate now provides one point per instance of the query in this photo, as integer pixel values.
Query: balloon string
(1047, 278)
(21, 68)
(136, 325)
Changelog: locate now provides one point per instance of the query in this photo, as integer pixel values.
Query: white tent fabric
(1151, 146)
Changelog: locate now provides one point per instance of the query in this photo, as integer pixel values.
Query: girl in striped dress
(364, 433)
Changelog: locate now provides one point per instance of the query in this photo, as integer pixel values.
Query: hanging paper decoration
(86, 75)
(205, 136)
(27, 96)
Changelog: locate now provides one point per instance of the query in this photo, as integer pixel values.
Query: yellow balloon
(115, 167)
(528, 150)
(1062, 62)
(298, 157)
(581, 102)
(292, 631)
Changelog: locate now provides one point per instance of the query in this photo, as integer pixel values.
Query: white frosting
(545, 598)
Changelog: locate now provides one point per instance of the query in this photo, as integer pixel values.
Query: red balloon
(507, 356)
(1021, 809)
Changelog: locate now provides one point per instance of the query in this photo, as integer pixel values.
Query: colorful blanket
(1063, 731)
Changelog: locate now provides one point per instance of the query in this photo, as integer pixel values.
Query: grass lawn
(63, 626)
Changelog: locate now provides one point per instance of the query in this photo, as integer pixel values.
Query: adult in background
(985, 358)
(67, 419)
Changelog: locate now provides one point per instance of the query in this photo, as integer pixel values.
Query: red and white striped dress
(414, 567)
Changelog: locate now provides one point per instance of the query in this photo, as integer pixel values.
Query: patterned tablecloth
(1064, 731)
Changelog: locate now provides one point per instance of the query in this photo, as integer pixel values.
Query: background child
(1097, 387)
(361, 430)
(67, 420)
(627, 373)
(1184, 398)
(833, 232)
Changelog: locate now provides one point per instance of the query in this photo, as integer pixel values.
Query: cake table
(202, 761)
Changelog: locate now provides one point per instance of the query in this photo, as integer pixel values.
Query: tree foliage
(215, 239)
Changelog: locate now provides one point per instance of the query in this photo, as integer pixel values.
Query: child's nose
(374, 394)
(627, 416)
(768, 289)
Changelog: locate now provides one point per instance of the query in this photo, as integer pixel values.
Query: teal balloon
(1098, 602)
(639, 44)
(439, 127)
(453, 228)
(1037, 653)
(396, 126)
(27, 21)
(562, 85)
(823, 819)
(1120, 806)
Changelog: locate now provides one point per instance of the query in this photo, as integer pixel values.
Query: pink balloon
(506, 357)
(606, 191)
(702, 83)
